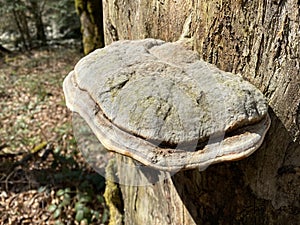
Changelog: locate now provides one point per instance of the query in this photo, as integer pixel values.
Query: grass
(43, 176)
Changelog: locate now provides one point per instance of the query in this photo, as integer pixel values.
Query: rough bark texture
(261, 41)
(91, 18)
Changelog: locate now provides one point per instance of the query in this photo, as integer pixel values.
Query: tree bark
(261, 41)
(91, 18)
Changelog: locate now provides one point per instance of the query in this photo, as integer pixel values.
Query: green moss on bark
(80, 6)
(113, 196)
(91, 18)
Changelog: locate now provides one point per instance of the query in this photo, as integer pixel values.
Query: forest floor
(44, 178)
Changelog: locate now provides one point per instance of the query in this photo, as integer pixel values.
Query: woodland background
(43, 176)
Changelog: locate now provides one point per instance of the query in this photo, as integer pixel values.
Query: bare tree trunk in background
(22, 24)
(91, 18)
(36, 9)
(261, 41)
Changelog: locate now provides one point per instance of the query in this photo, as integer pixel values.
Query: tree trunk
(36, 9)
(91, 18)
(22, 24)
(261, 41)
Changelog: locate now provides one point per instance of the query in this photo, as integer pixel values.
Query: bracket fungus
(159, 104)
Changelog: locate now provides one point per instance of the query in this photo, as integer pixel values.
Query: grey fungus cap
(159, 104)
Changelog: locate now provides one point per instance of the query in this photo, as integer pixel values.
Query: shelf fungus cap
(159, 104)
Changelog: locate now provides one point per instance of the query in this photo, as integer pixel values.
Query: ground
(43, 177)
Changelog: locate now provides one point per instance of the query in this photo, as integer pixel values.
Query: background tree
(90, 13)
(31, 23)
(23, 12)
(259, 40)
(21, 20)
(36, 8)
